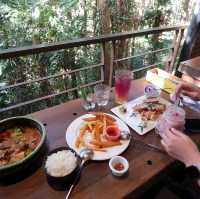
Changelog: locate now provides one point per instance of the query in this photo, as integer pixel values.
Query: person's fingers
(186, 86)
(165, 137)
(185, 89)
(169, 134)
(176, 132)
(168, 149)
(164, 144)
(178, 90)
(185, 92)
(188, 90)
(189, 93)
(181, 86)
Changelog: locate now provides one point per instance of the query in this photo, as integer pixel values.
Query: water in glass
(102, 93)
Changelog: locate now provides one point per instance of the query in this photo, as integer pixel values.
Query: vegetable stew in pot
(16, 143)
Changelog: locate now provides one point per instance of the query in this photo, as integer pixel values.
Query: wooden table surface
(146, 164)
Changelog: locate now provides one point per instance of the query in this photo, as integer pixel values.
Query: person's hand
(188, 90)
(180, 147)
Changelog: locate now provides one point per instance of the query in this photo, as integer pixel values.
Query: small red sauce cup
(112, 133)
(121, 163)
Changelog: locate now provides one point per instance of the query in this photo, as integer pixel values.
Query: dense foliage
(28, 22)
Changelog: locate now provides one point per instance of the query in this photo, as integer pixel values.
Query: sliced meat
(6, 144)
(2, 154)
(33, 143)
(151, 100)
(3, 162)
(4, 157)
(17, 156)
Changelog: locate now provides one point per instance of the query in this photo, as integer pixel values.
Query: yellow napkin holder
(162, 79)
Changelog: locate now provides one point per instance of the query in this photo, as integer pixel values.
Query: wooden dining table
(148, 163)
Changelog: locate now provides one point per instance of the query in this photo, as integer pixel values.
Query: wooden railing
(107, 64)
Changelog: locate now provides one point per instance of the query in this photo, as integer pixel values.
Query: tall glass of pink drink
(122, 85)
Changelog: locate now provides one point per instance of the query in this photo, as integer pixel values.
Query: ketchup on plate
(112, 133)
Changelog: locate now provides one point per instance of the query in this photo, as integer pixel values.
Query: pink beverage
(122, 85)
(173, 117)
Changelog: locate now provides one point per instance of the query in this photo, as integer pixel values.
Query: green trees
(30, 22)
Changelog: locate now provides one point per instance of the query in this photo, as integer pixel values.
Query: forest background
(30, 22)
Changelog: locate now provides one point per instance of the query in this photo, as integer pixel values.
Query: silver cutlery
(85, 154)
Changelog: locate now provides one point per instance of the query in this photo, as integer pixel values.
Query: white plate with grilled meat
(141, 113)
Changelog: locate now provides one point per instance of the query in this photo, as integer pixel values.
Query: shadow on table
(174, 185)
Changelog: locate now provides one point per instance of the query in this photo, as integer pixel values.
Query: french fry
(83, 129)
(95, 148)
(111, 119)
(110, 143)
(105, 144)
(101, 129)
(109, 122)
(104, 125)
(77, 141)
(98, 131)
(90, 126)
(90, 119)
(96, 113)
(94, 133)
(79, 138)
(100, 115)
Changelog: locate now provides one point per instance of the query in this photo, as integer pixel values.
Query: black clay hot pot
(28, 164)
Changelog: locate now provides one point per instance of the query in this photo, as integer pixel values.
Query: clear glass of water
(88, 102)
(87, 99)
(102, 94)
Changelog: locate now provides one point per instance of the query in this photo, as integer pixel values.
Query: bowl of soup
(21, 141)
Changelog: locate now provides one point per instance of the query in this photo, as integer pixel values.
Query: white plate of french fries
(88, 130)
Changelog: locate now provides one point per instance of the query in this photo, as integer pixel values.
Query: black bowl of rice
(61, 166)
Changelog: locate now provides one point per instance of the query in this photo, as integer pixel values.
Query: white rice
(61, 163)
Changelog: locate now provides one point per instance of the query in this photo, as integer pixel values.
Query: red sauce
(119, 166)
(112, 133)
(5, 134)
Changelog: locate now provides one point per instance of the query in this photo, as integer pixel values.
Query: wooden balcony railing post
(177, 43)
(107, 60)
(112, 59)
(169, 60)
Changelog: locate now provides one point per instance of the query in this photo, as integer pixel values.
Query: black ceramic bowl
(62, 183)
(27, 164)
